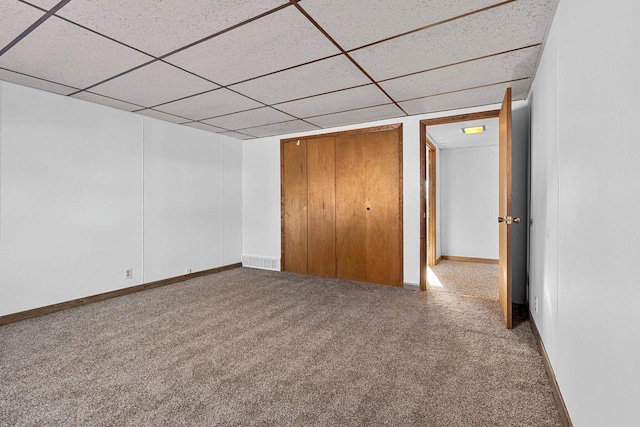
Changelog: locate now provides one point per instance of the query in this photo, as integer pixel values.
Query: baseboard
(438, 260)
(469, 259)
(557, 395)
(23, 315)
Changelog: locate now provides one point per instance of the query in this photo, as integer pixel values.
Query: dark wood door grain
(342, 205)
(294, 188)
(504, 210)
(321, 214)
(351, 251)
(383, 221)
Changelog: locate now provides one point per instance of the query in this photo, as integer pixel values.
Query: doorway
(428, 194)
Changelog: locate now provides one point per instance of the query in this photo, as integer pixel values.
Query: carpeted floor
(465, 278)
(258, 348)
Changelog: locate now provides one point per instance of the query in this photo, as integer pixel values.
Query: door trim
(429, 259)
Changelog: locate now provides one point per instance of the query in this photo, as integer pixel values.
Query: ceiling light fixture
(473, 130)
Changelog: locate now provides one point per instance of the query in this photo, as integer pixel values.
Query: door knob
(509, 220)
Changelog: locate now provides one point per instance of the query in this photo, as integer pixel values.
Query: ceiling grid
(256, 68)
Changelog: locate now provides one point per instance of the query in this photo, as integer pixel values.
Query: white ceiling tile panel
(67, 54)
(380, 112)
(45, 4)
(162, 116)
(518, 24)
(237, 135)
(500, 68)
(154, 84)
(210, 104)
(311, 79)
(284, 128)
(21, 79)
(363, 96)
(205, 127)
(15, 17)
(355, 23)
(158, 27)
(467, 98)
(274, 42)
(257, 117)
(109, 102)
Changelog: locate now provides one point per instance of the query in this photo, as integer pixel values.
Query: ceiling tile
(283, 128)
(500, 68)
(14, 19)
(145, 24)
(24, 80)
(162, 116)
(274, 42)
(45, 4)
(257, 117)
(467, 98)
(109, 102)
(363, 96)
(210, 104)
(168, 84)
(355, 23)
(363, 115)
(311, 79)
(237, 135)
(67, 54)
(514, 25)
(205, 127)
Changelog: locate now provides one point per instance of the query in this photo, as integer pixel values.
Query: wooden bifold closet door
(321, 211)
(342, 205)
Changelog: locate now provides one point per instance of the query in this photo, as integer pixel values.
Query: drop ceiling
(256, 68)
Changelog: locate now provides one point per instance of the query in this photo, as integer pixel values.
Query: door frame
(428, 249)
(380, 128)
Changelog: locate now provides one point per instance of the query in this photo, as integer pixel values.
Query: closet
(342, 205)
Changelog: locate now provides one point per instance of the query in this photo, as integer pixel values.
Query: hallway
(471, 279)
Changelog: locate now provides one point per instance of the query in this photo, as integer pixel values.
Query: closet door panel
(351, 250)
(294, 195)
(321, 256)
(383, 222)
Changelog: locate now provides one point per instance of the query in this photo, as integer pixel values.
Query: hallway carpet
(258, 348)
(473, 279)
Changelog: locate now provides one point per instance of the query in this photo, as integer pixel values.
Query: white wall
(261, 189)
(71, 199)
(182, 200)
(469, 204)
(261, 197)
(585, 199)
(72, 176)
(231, 201)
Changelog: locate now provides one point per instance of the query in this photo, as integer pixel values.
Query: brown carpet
(249, 347)
(465, 278)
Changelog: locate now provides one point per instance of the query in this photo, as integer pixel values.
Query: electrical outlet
(188, 271)
(128, 273)
(536, 303)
